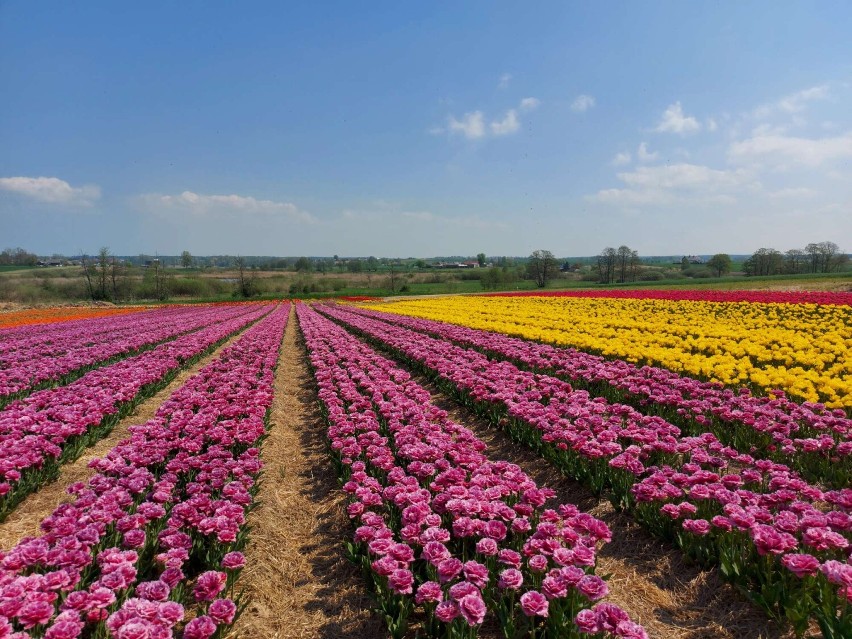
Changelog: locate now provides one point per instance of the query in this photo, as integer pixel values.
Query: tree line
(816, 257)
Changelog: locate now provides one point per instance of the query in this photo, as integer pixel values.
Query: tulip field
(717, 424)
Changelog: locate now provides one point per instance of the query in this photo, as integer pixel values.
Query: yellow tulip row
(803, 349)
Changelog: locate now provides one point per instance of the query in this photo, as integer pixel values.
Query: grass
(29, 286)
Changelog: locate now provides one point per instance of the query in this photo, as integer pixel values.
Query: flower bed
(802, 349)
(441, 529)
(37, 316)
(708, 295)
(30, 361)
(809, 437)
(149, 547)
(51, 427)
(785, 541)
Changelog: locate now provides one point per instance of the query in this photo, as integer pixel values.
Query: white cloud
(508, 125)
(387, 216)
(670, 183)
(471, 126)
(621, 159)
(784, 151)
(211, 205)
(792, 193)
(644, 155)
(529, 104)
(505, 79)
(582, 103)
(793, 103)
(674, 121)
(711, 124)
(682, 176)
(51, 190)
(464, 221)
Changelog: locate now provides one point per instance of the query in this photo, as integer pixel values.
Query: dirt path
(649, 579)
(26, 518)
(297, 579)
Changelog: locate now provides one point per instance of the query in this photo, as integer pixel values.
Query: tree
(606, 265)
(720, 263)
(186, 259)
(497, 277)
(795, 261)
(303, 264)
(245, 277)
(480, 257)
(88, 273)
(103, 272)
(684, 263)
(18, 257)
(635, 264)
(825, 257)
(161, 282)
(764, 261)
(393, 269)
(541, 267)
(623, 255)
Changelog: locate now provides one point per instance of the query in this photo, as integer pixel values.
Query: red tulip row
(762, 297)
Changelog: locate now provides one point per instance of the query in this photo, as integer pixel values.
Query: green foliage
(720, 264)
(496, 278)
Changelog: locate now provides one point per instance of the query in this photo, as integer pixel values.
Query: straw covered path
(297, 578)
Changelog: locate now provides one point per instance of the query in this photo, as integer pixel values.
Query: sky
(421, 129)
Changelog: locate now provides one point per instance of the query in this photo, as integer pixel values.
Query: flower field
(167, 531)
(803, 349)
(52, 315)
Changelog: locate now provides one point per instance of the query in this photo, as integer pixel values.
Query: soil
(297, 578)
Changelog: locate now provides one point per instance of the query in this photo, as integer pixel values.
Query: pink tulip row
(157, 531)
(49, 427)
(813, 439)
(441, 526)
(64, 352)
(756, 519)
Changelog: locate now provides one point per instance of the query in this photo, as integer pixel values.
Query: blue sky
(418, 129)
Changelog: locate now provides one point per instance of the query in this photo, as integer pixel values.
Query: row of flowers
(811, 438)
(150, 546)
(785, 541)
(707, 295)
(31, 361)
(444, 534)
(802, 349)
(48, 428)
(54, 315)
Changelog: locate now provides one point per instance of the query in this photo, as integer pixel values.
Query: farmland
(625, 463)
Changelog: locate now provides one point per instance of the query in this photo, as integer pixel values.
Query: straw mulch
(26, 518)
(297, 579)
